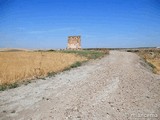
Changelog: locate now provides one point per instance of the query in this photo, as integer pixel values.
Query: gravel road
(119, 86)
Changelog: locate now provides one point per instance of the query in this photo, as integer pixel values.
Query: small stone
(4, 111)
(147, 96)
(118, 110)
(13, 111)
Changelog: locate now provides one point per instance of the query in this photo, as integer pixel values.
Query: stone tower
(74, 42)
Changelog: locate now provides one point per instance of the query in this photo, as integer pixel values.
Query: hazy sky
(101, 23)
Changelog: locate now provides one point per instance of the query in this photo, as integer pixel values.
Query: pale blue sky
(46, 24)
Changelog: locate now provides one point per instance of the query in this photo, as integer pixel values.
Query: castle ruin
(74, 42)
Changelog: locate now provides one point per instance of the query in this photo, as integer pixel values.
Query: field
(19, 66)
(151, 56)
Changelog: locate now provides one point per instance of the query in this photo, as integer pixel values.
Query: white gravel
(117, 87)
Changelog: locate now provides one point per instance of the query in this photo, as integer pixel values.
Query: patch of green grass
(67, 68)
(8, 86)
(51, 74)
(90, 54)
(74, 65)
(43, 78)
(3, 87)
(14, 85)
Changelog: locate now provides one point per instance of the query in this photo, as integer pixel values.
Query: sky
(46, 24)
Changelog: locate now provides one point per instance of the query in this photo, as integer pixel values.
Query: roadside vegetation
(22, 67)
(151, 56)
(89, 54)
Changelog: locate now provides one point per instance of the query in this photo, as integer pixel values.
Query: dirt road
(119, 86)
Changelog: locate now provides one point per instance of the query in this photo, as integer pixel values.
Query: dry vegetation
(151, 56)
(18, 66)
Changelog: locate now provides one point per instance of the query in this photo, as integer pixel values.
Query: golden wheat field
(18, 66)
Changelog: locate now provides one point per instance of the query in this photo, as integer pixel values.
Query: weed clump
(51, 74)
(76, 64)
(8, 86)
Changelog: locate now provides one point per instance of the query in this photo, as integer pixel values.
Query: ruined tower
(74, 42)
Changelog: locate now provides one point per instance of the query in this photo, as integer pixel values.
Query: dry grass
(19, 66)
(152, 56)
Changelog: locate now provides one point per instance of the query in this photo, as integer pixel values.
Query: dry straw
(18, 66)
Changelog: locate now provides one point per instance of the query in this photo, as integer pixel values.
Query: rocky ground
(119, 86)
